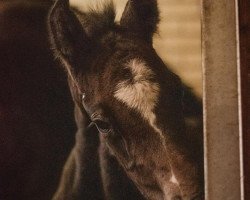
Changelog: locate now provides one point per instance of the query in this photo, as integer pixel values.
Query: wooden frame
(222, 95)
(244, 50)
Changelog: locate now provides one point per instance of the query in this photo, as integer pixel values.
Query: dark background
(36, 112)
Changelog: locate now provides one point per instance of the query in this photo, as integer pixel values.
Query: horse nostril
(176, 198)
(199, 197)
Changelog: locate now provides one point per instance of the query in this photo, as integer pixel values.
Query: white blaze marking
(142, 94)
(173, 179)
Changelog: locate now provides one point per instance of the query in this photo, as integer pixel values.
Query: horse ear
(68, 38)
(141, 17)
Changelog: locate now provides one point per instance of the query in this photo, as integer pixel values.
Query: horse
(139, 127)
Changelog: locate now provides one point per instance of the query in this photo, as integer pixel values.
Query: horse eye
(103, 126)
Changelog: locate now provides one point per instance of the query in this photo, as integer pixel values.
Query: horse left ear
(68, 38)
(141, 17)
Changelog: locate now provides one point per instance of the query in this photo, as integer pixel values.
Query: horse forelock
(99, 17)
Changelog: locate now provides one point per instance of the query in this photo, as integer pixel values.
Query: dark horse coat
(146, 122)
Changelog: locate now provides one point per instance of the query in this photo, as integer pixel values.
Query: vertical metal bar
(221, 108)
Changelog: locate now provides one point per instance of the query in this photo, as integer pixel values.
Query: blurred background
(36, 111)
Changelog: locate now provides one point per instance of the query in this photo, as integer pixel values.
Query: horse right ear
(68, 38)
(141, 17)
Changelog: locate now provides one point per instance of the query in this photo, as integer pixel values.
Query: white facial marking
(83, 96)
(174, 180)
(142, 94)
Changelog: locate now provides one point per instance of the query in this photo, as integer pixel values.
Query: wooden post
(244, 36)
(221, 100)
